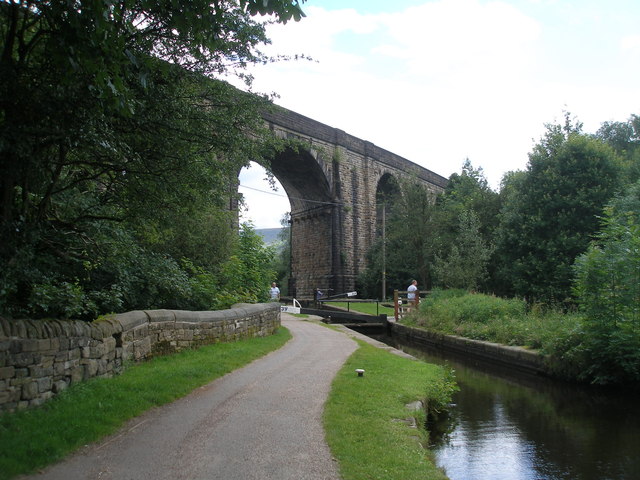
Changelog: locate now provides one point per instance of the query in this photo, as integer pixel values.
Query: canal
(506, 425)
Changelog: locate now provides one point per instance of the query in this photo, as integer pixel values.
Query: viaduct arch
(332, 185)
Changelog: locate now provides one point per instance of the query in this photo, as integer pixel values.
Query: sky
(441, 81)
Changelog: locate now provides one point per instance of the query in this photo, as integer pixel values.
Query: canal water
(506, 425)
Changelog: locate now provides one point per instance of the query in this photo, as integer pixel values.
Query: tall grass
(91, 410)
(485, 317)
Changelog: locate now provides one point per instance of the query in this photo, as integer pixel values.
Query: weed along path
(263, 421)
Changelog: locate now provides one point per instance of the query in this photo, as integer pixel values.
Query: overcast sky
(441, 81)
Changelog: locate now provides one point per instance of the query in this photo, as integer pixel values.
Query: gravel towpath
(263, 421)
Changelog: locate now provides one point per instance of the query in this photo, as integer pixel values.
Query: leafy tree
(422, 227)
(470, 190)
(410, 242)
(551, 212)
(624, 138)
(247, 273)
(282, 262)
(117, 155)
(465, 265)
(608, 289)
(467, 193)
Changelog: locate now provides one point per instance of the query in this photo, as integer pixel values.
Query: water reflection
(514, 427)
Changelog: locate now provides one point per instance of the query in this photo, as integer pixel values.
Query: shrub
(608, 289)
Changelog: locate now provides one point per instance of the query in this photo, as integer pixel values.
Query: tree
(465, 264)
(467, 194)
(624, 138)
(608, 290)
(470, 190)
(282, 262)
(551, 212)
(117, 154)
(410, 241)
(66, 71)
(247, 273)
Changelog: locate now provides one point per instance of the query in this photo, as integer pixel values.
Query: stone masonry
(41, 358)
(332, 180)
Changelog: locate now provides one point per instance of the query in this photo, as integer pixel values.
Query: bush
(608, 289)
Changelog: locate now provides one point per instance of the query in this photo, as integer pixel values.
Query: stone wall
(41, 358)
(332, 181)
(514, 357)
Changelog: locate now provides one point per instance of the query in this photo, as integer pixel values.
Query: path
(263, 421)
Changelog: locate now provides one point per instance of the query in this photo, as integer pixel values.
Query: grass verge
(363, 416)
(91, 410)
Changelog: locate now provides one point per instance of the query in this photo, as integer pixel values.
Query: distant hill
(269, 235)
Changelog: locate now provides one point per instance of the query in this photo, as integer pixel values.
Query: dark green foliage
(624, 138)
(465, 265)
(118, 158)
(469, 191)
(282, 261)
(409, 249)
(247, 274)
(440, 241)
(551, 213)
(608, 289)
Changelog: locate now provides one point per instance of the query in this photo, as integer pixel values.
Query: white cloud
(450, 79)
(630, 42)
(266, 205)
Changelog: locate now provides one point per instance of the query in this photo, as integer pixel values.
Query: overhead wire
(290, 197)
(302, 199)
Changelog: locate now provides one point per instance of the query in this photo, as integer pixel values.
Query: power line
(292, 198)
(303, 199)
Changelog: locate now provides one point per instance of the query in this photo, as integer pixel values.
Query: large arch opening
(264, 198)
(312, 218)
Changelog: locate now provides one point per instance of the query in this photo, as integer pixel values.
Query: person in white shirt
(411, 291)
(275, 292)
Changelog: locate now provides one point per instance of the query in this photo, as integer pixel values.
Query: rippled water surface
(506, 426)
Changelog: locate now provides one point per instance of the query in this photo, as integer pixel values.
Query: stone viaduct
(333, 184)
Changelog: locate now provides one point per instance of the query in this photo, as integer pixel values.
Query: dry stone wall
(41, 358)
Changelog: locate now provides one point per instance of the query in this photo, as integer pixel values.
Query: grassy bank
(561, 337)
(485, 317)
(91, 410)
(363, 416)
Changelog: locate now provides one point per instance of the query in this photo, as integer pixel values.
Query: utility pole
(384, 273)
